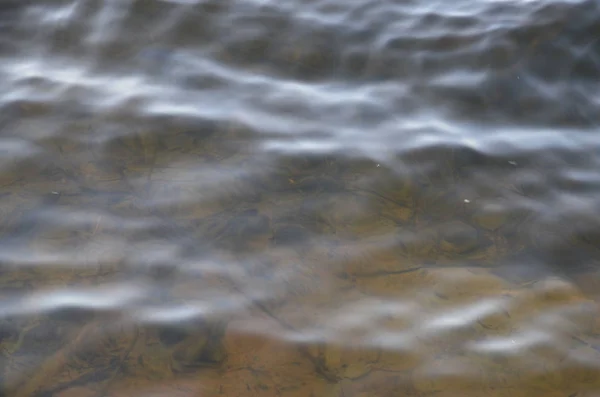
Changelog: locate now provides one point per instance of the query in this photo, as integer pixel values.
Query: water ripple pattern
(318, 197)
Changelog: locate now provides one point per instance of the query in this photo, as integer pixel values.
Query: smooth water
(299, 198)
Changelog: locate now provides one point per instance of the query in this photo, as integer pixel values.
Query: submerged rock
(458, 237)
(291, 235)
(240, 231)
(319, 184)
(490, 218)
(202, 347)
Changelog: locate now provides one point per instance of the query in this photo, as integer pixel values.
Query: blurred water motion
(299, 198)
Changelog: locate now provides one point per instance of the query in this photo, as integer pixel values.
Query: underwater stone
(458, 237)
(290, 235)
(490, 218)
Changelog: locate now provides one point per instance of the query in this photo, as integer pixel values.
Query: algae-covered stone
(491, 217)
(398, 213)
(400, 190)
(310, 213)
(248, 224)
(290, 235)
(298, 167)
(240, 231)
(490, 221)
(421, 244)
(201, 348)
(453, 374)
(458, 237)
(347, 362)
(359, 215)
(318, 184)
(247, 229)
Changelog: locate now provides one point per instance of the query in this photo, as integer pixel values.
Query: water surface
(299, 198)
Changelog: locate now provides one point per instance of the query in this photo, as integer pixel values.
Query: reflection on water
(297, 198)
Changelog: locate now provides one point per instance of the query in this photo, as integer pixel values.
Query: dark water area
(299, 198)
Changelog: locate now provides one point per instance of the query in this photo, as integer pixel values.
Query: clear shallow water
(299, 198)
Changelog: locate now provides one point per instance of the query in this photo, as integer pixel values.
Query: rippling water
(299, 198)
